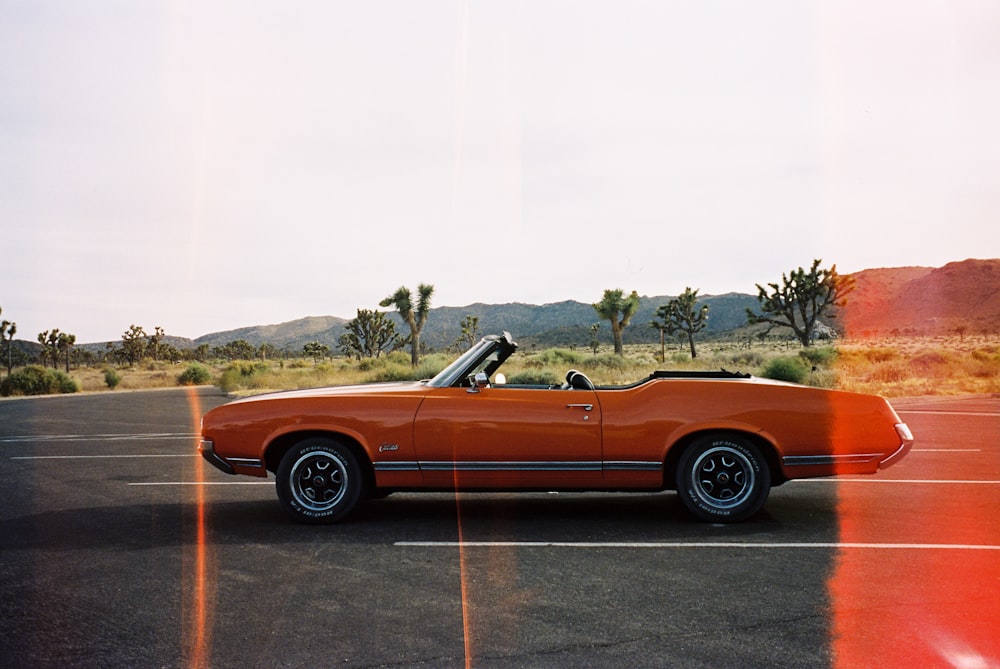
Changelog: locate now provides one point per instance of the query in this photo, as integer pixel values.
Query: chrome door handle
(585, 407)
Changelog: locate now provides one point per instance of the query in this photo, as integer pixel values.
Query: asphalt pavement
(120, 547)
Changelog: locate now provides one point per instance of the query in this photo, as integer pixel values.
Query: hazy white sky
(208, 165)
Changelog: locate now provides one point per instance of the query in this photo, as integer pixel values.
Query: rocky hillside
(959, 297)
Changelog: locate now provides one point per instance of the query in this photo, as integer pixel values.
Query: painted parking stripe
(947, 413)
(90, 457)
(199, 483)
(688, 544)
(942, 481)
(946, 450)
(95, 437)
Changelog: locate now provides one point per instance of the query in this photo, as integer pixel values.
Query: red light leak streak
(916, 608)
(463, 578)
(197, 632)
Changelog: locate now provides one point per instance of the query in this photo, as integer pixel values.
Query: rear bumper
(906, 437)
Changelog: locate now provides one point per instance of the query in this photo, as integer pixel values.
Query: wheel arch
(281, 444)
(766, 446)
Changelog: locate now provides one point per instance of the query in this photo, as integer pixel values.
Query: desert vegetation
(934, 346)
(893, 367)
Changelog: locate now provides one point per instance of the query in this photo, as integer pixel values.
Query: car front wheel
(723, 478)
(319, 480)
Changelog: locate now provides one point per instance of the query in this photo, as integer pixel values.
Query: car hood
(367, 389)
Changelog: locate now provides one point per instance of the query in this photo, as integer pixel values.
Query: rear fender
(680, 440)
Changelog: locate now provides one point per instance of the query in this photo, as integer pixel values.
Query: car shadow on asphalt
(402, 517)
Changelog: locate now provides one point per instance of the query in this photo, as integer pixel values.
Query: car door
(509, 437)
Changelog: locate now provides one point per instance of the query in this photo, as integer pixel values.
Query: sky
(208, 165)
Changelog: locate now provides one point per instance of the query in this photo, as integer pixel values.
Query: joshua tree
(64, 344)
(618, 309)
(316, 350)
(402, 299)
(50, 346)
(470, 331)
(595, 343)
(802, 298)
(368, 335)
(680, 314)
(134, 344)
(154, 341)
(7, 329)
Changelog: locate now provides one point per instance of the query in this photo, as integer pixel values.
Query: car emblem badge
(385, 446)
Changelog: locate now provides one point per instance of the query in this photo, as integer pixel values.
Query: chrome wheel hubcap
(318, 480)
(723, 477)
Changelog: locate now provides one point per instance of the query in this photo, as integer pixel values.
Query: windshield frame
(476, 358)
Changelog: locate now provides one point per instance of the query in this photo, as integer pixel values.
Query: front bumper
(207, 449)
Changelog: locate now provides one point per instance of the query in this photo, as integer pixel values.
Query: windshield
(485, 356)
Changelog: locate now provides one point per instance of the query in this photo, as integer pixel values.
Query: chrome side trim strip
(812, 460)
(246, 462)
(531, 466)
(634, 465)
(522, 466)
(397, 466)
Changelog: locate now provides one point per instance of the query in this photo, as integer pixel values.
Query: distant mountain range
(902, 300)
(557, 324)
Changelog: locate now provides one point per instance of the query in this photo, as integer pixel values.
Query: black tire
(319, 481)
(723, 478)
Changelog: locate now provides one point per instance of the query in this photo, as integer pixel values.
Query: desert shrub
(822, 356)
(932, 364)
(244, 374)
(398, 357)
(680, 357)
(607, 361)
(745, 359)
(880, 354)
(195, 374)
(890, 372)
(247, 368)
(824, 378)
(986, 362)
(368, 364)
(558, 357)
(112, 378)
(393, 370)
(794, 370)
(986, 354)
(35, 380)
(542, 377)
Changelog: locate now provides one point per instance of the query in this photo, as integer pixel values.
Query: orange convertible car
(720, 439)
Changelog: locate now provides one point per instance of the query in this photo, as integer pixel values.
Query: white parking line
(947, 450)
(95, 437)
(165, 483)
(686, 544)
(947, 413)
(848, 480)
(88, 457)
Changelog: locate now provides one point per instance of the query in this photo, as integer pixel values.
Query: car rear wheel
(319, 480)
(723, 478)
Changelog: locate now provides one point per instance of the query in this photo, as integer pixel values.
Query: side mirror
(479, 382)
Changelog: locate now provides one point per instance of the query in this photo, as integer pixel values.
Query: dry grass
(901, 367)
(916, 367)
